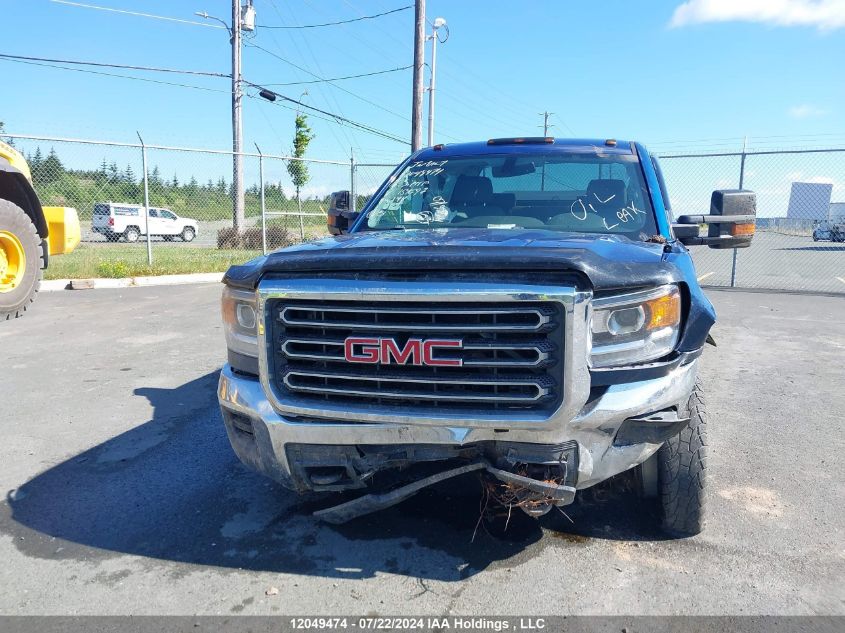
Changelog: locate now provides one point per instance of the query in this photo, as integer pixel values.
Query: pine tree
(175, 182)
(129, 175)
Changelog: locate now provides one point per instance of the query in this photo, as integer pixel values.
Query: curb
(53, 285)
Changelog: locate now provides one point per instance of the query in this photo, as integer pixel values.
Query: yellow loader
(29, 234)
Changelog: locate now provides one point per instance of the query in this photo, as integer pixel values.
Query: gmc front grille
(511, 354)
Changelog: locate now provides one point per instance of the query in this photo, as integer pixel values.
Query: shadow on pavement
(819, 248)
(172, 489)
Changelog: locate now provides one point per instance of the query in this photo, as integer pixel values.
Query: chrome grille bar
(415, 394)
(381, 318)
(535, 355)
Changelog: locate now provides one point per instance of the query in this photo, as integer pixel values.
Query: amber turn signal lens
(664, 311)
(741, 230)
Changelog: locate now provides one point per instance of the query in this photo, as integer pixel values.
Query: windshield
(560, 192)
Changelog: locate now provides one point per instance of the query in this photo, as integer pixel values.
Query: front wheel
(21, 261)
(131, 234)
(676, 473)
(188, 234)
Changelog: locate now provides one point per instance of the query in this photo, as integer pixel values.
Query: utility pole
(237, 125)
(419, 61)
(546, 126)
(438, 23)
(546, 116)
(243, 18)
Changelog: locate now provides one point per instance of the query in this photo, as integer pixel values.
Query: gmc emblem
(386, 351)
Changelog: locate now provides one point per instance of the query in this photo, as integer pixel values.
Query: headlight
(636, 327)
(240, 320)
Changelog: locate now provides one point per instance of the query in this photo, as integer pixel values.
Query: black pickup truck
(524, 308)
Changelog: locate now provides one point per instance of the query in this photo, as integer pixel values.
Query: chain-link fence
(176, 215)
(800, 240)
(367, 178)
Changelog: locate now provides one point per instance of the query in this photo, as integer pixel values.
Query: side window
(153, 213)
(167, 214)
(662, 184)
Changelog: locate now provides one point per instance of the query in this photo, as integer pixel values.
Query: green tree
(48, 170)
(298, 169)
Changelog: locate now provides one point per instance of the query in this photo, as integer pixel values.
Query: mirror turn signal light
(742, 230)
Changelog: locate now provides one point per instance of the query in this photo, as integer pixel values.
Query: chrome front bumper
(592, 425)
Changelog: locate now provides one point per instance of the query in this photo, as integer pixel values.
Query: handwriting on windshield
(629, 212)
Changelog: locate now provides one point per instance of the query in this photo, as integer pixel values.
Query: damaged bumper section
(616, 427)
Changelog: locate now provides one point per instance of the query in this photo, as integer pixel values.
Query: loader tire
(21, 261)
(681, 472)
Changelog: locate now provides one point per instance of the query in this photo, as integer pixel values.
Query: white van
(115, 220)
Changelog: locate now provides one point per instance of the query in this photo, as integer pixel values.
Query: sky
(701, 74)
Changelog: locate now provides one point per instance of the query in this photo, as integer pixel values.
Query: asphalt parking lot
(122, 495)
(794, 262)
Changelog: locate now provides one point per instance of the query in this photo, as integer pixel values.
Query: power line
(314, 26)
(317, 81)
(84, 63)
(99, 72)
(335, 117)
(328, 81)
(136, 13)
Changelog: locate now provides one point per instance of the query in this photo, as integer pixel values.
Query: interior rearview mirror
(339, 216)
(510, 168)
(730, 223)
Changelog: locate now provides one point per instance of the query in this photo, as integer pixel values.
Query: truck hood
(605, 262)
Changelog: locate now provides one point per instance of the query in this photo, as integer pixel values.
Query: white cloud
(823, 14)
(805, 111)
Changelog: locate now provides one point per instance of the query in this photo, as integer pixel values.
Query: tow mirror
(339, 216)
(730, 224)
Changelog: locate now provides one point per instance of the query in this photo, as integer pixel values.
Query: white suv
(115, 220)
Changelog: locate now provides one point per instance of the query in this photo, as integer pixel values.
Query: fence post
(301, 219)
(146, 200)
(352, 203)
(741, 182)
(263, 207)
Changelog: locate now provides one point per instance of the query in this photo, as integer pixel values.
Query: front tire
(681, 472)
(131, 234)
(21, 261)
(188, 234)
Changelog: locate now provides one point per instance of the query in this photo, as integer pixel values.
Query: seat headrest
(606, 191)
(471, 191)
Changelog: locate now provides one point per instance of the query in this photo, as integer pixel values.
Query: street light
(435, 26)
